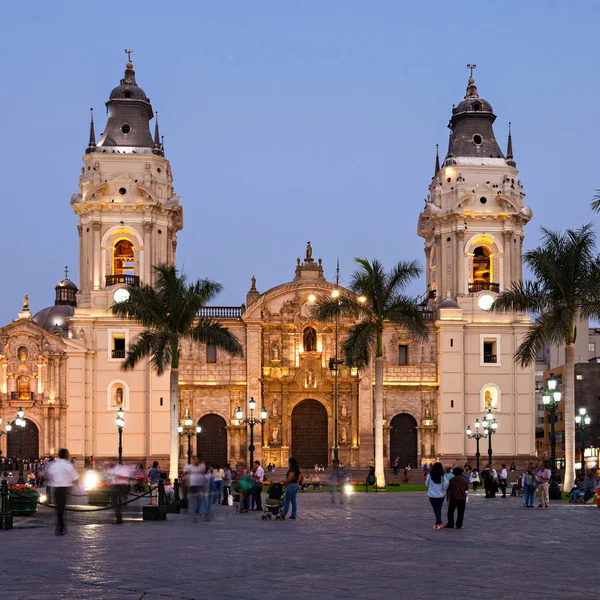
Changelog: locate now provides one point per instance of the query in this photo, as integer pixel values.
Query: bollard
(6, 519)
(176, 497)
(174, 507)
(157, 513)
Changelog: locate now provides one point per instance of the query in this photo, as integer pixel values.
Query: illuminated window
(23, 388)
(592, 347)
(123, 258)
(482, 265)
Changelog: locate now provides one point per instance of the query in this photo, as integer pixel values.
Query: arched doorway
(309, 434)
(211, 442)
(403, 440)
(31, 441)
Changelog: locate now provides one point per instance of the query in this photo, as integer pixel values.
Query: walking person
(529, 488)
(474, 479)
(193, 480)
(258, 476)
(227, 477)
(543, 476)
(153, 477)
(503, 476)
(291, 488)
(218, 475)
(336, 482)
(62, 476)
(437, 485)
(457, 498)
(120, 475)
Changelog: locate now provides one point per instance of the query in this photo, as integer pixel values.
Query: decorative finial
(25, 302)
(471, 87)
(162, 143)
(437, 159)
(157, 145)
(471, 66)
(66, 272)
(129, 52)
(509, 148)
(253, 287)
(92, 143)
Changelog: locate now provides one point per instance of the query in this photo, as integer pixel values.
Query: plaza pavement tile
(372, 546)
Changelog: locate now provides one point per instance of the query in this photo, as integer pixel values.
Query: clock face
(121, 295)
(485, 301)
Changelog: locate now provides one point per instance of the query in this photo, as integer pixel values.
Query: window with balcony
(117, 344)
(489, 351)
(123, 264)
(402, 354)
(211, 353)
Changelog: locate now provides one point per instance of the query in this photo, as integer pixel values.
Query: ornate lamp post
(252, 421)
(490, 426)
(189, 431)
(551, 399)
(582, 422)
(120, 420)
(476, 436)
(334, 364)
(20, 423)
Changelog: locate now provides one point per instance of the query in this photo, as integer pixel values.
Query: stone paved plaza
(375, 545)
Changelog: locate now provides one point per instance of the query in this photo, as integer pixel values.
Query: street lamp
(334, 366)
(490, 426)
(252, 421)
(120, 420)
(189, 431)
(476, 436)
(20, 423)
(551, 399)
(582, 422)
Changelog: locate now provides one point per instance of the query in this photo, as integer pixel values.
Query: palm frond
(596, 202)
(154, 344)
(522, 296)
(359, 344)
(404, 312)
(345, 305)
(208, 331)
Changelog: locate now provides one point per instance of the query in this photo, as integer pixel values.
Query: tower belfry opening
(123, 258)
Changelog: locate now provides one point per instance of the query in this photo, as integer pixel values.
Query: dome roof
(66, 283)
(448, 302)
(54, 318)
(126, 91)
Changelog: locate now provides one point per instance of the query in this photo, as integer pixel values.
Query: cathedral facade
(63, 365)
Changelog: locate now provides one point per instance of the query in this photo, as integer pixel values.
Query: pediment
(26, 328)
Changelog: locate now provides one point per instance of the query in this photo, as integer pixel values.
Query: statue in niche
(274, 409)
(344, 408)
(310, 340)
(275, 352)
(119, 396)
(26, 302)
(275, 434)
(344, 434)
(310, 377)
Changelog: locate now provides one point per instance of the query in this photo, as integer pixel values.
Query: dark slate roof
(54, 318)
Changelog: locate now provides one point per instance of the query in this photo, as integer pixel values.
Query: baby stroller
(273, 503)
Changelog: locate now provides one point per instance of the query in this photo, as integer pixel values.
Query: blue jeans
(529, 494)
(194, 502)
(218, 491)
(575, 495)
(291, 491)
(437, 504)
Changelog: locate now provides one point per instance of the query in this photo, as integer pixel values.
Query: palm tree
(377, 299)
(169, 313)
(566, 287)
(596, 202)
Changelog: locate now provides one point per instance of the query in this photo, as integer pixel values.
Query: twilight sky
(289, 121)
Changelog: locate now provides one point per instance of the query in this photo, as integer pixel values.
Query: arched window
(482, 265)
(490, 397)
(433, 268)
(123, 258)
(23, 387)
(117, 395)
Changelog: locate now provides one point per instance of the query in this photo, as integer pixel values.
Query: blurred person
(206, 489)
(336, 482)
(62, 475)
(502, 477)
(120, 475)
(227, 479)
(528, 483)
(218, 475)
(258, 476)
(194, 480)
(474, 479)
(543, 477)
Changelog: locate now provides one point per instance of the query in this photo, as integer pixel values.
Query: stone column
(147, 259)
(4, 378)
(285, 420)
(57, 377)
(40, 378)
(354, 414)
(506, 239)
(45, 433)
(96, 226)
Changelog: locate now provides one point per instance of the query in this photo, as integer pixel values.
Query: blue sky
(289, 121)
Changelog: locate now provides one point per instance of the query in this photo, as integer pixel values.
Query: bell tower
(128, 212)
(473, 226)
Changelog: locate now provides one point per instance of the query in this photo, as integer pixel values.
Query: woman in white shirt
(437, 485)
(474, 479)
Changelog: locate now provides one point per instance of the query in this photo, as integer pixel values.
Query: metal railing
(222, 312)
(122, 280)
(490, 358)
(482, 286)
(22, 396)
(118, 353)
